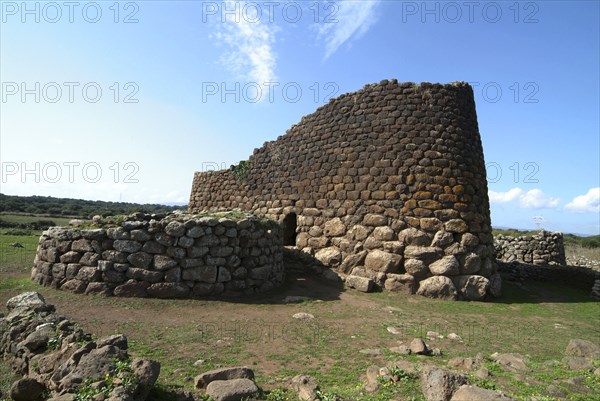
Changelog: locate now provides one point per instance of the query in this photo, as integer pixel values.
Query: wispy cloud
(352, 18)
(250, 55)
(589, 202)
(532, 199)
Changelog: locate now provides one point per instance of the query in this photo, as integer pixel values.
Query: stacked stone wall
(543, 249)
(180, 256)
(387, 183)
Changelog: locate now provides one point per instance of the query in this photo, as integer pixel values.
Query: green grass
(534, 319)
(30, 218)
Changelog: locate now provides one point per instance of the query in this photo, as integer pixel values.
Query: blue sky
(124, 101)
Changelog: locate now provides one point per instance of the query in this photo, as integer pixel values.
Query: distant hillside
(49, 206)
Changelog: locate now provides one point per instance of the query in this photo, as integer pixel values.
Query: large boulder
(237, 372)
(26, 300)
(362, 284)
(584, 348)
(331, 256)
(26, 389)
(147, 372)
(231, 390)
(437, 287)
(400, 283)
(472, 287)
(446, 266)
(306, 387)
(381, 261)
(439, 384)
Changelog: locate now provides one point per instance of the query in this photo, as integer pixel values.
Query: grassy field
(534, 319)
(29, 218)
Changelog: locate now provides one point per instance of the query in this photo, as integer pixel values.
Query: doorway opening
(289, 225)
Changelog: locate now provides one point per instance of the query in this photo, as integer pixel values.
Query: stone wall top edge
(454, 85)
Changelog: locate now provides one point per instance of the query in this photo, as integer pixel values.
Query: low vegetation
(59, 207)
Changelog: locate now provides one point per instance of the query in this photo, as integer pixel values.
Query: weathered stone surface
(162, 262)
(456, 226)
(147, 372)
(446, 266)
(306, 387)
(229, 373)
(231, 390)
(382, 261)
(424, 253)
(418, 346)
(127, 246)
(412, 236)
(583, 348)
(439, 384)
(416, 268)
(474, 393)
(168, 290)
(362, 284)
(331, 256)
(437, 287)
(140, 259)
(144, 275)
(511, 362)
(471, 287)
(207, 274)
(400, 283)
(28, 300)
(26, 389)
(334, 228)
(495, 285)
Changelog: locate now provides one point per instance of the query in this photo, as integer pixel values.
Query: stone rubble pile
(57, 359)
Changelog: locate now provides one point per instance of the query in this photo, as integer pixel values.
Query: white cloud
(504, 197)
(536, 199)
(590, 202)
(251, 55)
(532, 199)
(353, 18)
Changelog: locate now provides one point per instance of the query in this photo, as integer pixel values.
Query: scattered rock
(433, 335)
(579, 363)
(305, 387)
(482, 373)
(462, 363)
(439, 384)
(238, 372)
(511, 362)
(394, 330)
(371, 351)
(584, 348)
(401, 349)
(26, 300)
(303, 316)
(474, 393)
(26, 389)
(454, 336)
(418, 346)
(372, 384)
(231, 390)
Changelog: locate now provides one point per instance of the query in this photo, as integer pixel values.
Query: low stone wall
(543, 249)
(574, 276)
(178, 256)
